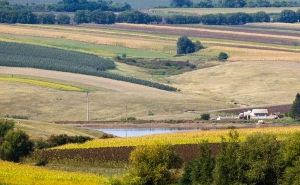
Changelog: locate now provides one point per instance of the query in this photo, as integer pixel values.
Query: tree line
(232, 3)
(287, 16)
(137, 17)
(68, 6)
(25, 55)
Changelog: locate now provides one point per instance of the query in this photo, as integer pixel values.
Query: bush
(154, 164)
(130, 118)
(16, 145)
(5, 126)
(205, 116)
(222, 56)
(200, 170)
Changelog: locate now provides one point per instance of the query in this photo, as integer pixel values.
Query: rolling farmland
(271, 51)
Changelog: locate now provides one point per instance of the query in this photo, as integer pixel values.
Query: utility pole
(37, 112)
(87, 106)
(126, 112)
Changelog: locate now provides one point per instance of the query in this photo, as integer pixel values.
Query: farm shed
(259, 113)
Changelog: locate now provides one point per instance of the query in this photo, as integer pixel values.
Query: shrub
(124, 55)
(154, 164)
(222, 56)
(5, 126)
(130, 118)
(16, 145)
(205, 116)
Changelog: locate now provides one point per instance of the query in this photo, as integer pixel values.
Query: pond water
(132, 132)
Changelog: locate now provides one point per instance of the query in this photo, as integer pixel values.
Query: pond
(132, 132)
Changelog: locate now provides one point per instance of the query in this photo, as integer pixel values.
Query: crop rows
(25, 55)
(12, 173)
(268, 37)
(41, 83)
(112, 154)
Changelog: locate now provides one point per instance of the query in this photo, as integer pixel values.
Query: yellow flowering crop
(193, 137)
(41, 83)
(12, 173)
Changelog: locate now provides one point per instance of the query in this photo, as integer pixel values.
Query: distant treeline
(232, 3)
(80, 16)
(25, 55)
(69, 6)
(288, 16)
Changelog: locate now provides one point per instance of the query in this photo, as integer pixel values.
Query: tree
(152, 164)
(289, 153)
(227, 169)
(181, 3)
(63, 19)
(261, 16)
(82, 16)
(46, 18)
(185, 45)
(5, 126)
(258, 159)
(16, 145)
(223, 56)
(199, 171)
(4, 2)
(295, 110)
(288, 16)
(205, 116)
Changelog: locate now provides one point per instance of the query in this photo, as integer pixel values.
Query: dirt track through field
(79, 78)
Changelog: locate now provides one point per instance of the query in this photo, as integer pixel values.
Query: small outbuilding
(259, 113)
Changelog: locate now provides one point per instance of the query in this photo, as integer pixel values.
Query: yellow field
(41, 83)
(12, 173)
(182, 137)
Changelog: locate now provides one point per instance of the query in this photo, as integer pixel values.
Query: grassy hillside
(38, 129)
(262, 69)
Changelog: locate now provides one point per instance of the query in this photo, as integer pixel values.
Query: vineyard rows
(25, 55)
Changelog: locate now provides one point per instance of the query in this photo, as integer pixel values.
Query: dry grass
(104, 105)
(38, 129)
(90, 35)
(202, 11)
(251, 77)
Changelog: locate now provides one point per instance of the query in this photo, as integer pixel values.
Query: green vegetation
(159, 66)
(185, 45)
(295, 110)
(58, 140)
(13, 144)
(153, 164)
(223, 56)
(199, 171)
(256, 160)
(24, 55)
(205, 116)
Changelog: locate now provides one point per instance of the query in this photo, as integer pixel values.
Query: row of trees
(260, 159)
(106, 17)
(27, 17)
(233, 3)
(287, 16)
(69, 6)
